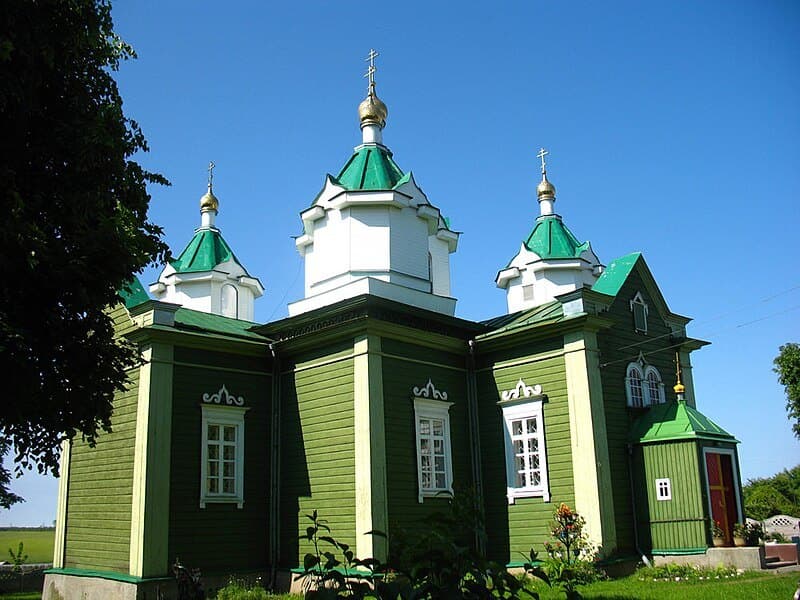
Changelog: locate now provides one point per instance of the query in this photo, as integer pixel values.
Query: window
(643, 385)
(663, 489)
(639, 310)
(527, 293)
(654, 388)
(222, 455)
(633, 386)
(526, 460)
(229, 301)
(434, 462)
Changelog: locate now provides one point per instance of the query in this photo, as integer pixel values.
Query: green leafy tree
(75, 227)
(776, 495)
(787, 366)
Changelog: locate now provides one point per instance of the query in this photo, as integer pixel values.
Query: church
(373, 403)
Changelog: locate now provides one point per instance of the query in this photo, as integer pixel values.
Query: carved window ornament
(429, 391)
(525, 450)
(223, 396)
(643, 384)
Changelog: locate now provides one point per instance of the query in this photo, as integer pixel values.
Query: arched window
(633, 386)
(229, 301)
(654, 389)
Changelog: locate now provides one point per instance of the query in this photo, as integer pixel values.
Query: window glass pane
(213, 486)
(440, 481)
(439, 464)
(532, 425)
(426, 480)
(213, 468)
(519, 447)
(213, 432)
(228, 486)
(438, 427)
(425, 460)
(230, 433)
(213, 451)
(425, 446)
(424, 427)
(519, 463)
(537, 479)
(533, 445)
(228, 469)
(535, 461)
(438, 447)
(516, 427)
(229, 452)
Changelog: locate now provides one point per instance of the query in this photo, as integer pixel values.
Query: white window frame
(514, 411)
(224, 416)
(663, 489)
(629, 388)
(661, 399)
(425, 408)
(638, 302)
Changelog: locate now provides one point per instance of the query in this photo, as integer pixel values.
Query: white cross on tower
(211, 166)
(370, 74)
(542, 153)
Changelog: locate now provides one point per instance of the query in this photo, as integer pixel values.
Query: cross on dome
(370, 74)
(542, 153)
(211, 166)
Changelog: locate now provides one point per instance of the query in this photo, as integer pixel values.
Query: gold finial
(372, 111)
(545, 190)
(209, 200)
(679, 387)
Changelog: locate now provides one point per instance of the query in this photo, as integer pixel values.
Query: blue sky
(673, 129)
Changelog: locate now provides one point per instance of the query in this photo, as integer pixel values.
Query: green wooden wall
(677, 524)
(619, 346)
(514, 529)
(219, 537)
(317, 448)
(99, 508)
(406, 366)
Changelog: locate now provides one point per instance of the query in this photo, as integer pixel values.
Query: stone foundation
(748, 558)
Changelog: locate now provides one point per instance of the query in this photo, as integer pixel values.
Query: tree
(75, 227)
(776, 495)
(787, 366)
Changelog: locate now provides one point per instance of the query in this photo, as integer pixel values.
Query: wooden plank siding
(400, 376)
(98, 527)
(677, 524)
(317, 450)
(619, 346)
(219, 537)
(514, 529)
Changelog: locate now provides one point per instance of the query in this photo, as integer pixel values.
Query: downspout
(275, 465)
(634, 514)
(475, 444)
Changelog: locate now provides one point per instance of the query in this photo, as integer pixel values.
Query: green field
(38, 544)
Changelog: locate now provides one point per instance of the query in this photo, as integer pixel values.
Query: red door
(719, 470)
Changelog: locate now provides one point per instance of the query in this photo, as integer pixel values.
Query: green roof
(612, 279)
(545, 313)
(371, 168)
(134, 293)
(676, 420)
(552, 239)
(188, 319)
(205, 251)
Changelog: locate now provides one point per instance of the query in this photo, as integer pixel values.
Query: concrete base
(75, 587)
(748, 558)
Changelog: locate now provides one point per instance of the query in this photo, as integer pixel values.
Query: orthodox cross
(211, 166)
(370, 74)
(678, 367)
(542, 153)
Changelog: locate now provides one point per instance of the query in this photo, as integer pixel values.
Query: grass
(38, 544)
(22, 596)
(752, 586)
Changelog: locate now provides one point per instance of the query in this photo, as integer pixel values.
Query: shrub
(676, 572)
(239, 589)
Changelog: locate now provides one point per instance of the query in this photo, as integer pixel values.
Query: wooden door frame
(734, 475)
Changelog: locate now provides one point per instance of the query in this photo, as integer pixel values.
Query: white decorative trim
(429, 391)
(231, 416)
(522, 391)
(425, 408)
(527, 410)
(223, 396)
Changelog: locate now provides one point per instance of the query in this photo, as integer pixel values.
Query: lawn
(753, 586)
(38, 544)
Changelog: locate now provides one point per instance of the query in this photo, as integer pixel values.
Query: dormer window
(639, 310)
(643, 385)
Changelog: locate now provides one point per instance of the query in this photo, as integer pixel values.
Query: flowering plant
(716, 529)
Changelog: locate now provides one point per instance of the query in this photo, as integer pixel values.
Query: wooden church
(372, 402)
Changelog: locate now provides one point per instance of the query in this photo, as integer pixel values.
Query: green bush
(239, 589)
(673, 572)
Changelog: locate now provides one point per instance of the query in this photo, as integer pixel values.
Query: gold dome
(209, 201)
(372, 111)
(679, 388)
(545, 190)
